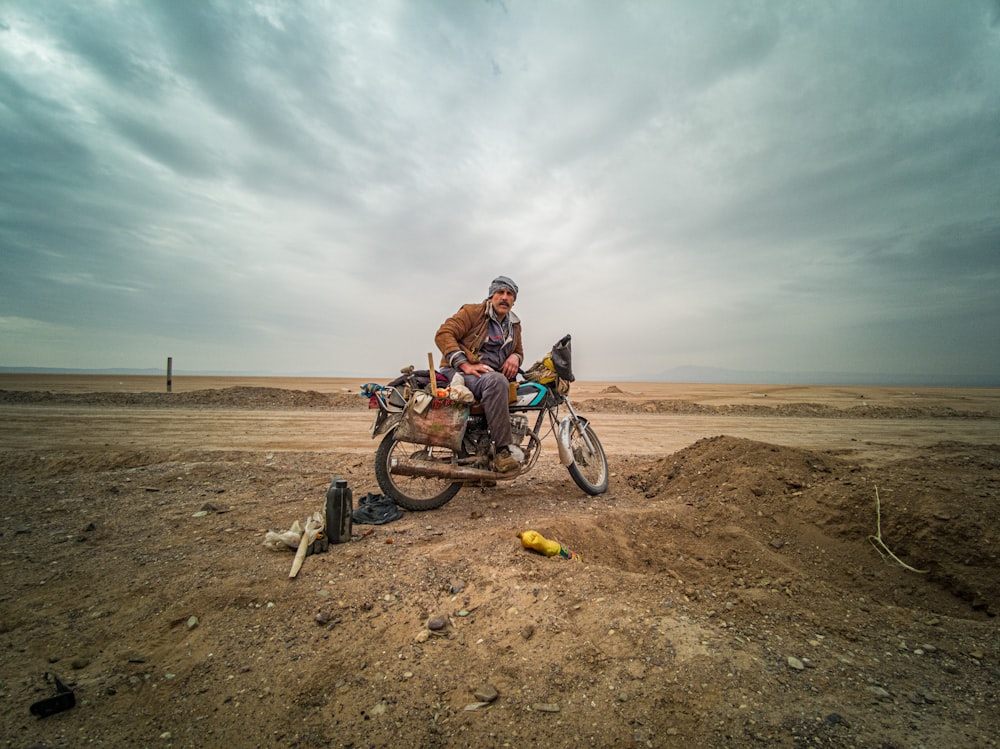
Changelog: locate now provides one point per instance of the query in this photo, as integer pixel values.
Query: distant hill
(718, 375)
(162, 372)
(696, 374)
(66, 370)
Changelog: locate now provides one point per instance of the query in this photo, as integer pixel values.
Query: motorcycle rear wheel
(589, 469)
(411, 492)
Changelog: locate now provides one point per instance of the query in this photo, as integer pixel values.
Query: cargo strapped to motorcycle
(441, 424)
(556, 368)
(562, 358)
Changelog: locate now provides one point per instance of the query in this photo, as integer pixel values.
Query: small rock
(486, 693)
(795, 663)
(192, 622)
(437, 623)
(880, 693)
(457, 586)
(475, 706)
(78, 663)
(777, 543)
(546, 707)
(322, 618)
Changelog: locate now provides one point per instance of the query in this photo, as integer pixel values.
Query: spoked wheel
(412, 492)
(590, 465)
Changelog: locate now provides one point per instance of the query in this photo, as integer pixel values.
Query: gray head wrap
(502, 282)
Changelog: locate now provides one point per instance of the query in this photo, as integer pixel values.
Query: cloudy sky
(313, 187)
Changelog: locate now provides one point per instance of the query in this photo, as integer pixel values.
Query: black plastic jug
(339, 509)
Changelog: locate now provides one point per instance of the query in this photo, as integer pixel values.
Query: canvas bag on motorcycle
(556, 368)
(440, 422)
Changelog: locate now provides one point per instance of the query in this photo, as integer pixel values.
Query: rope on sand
(879, 544)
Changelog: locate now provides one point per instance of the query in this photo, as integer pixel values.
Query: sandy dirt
(729, 594)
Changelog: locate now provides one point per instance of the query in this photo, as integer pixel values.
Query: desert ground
(770, 566)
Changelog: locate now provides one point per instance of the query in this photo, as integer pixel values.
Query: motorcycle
(432, 446)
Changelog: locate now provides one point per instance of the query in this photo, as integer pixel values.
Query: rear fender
(384, 421)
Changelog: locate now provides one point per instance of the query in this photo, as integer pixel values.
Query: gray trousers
(492, 390)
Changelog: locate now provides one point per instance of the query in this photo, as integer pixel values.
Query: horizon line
(679, 375)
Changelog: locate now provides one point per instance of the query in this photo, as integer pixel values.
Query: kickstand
(64, 699)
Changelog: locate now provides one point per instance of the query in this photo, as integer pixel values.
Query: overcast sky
(313, 187)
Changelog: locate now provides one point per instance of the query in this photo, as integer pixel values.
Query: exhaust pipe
(447, 471)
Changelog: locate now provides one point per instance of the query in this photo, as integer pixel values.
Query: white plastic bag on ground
(286, 540)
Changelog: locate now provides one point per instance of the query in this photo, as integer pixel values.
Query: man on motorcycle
(483, 342)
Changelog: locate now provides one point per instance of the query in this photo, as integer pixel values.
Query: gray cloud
(313, 186)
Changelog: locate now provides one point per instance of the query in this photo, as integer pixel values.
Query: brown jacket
(466, 331)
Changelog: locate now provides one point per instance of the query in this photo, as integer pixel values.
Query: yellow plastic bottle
(537, 542)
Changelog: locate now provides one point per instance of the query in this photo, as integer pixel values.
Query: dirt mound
(612, 389)
(808, 504)
(800, 410)
(232, 397)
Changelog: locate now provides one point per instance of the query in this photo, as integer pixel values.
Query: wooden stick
(434, 381)
(313, 526)
(300, 554)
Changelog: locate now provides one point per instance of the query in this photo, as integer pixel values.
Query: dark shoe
(504, 462)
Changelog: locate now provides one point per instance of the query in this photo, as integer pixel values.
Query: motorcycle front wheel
(414, 493)
(590, 467)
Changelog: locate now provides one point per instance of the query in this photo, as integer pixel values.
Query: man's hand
(478, 369)
(511, 366)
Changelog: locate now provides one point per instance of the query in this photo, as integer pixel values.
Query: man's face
(502, 301)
